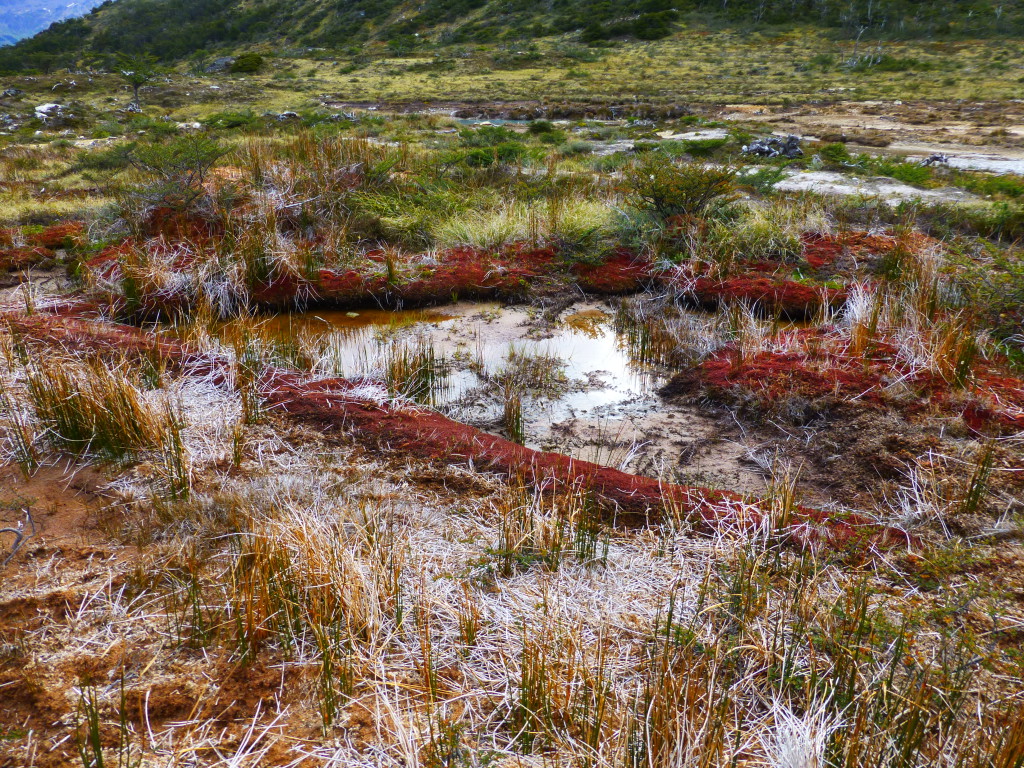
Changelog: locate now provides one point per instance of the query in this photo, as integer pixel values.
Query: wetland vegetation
(434, 411)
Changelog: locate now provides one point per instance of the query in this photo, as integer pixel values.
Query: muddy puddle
(581, 384)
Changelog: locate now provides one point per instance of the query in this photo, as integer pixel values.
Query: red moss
(822, 250)
(623, 273)
(14, 259)
(771, 295)
(462, 273)
(180, 225)
(817, 372)
(68, 235)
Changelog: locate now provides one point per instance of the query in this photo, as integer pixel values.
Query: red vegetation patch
(623, 273)
(173, 224)
(38, 248)
(393, 280)
(68, 235)
(819, 370)
(822, 250)
(14, 259)
(630, 500)
(769, 294)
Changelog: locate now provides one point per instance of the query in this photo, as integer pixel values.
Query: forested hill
(173, 29)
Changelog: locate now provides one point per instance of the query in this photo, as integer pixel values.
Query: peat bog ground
(418, 437)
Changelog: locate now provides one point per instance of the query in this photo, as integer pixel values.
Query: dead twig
(20, 535)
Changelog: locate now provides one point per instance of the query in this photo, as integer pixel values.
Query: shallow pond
(582, 384)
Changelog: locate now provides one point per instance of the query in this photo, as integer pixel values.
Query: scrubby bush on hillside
(247, 62)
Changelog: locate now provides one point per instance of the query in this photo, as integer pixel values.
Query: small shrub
(227, 120)
(835, 153)
(910, 173)
(247, 63)
(704, 147)
(509, 152)
(180, 167)
(574, 148)
(487, 136)
(763, 180)
(671, 190)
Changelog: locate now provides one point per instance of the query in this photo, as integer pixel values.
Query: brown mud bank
(339, 405)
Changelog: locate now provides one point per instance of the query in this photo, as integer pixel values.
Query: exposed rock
(711, 133)
(775, 146)
(53, 115)
(221, 64)
(48, 110)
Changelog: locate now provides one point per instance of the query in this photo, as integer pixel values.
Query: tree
(136, 71)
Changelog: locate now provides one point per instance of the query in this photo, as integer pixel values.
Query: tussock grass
(92, 409)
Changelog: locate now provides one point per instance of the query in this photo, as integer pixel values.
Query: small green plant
(93, 409)
(835, 154)
(416, 371)
(89, 734)
(180, 168)
(672, 190)
(512, 416)
(977, 485)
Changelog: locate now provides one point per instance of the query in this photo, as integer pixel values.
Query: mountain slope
(173, 29)
(24, 18)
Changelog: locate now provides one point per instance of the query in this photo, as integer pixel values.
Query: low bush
(672, 190)
(247, 63)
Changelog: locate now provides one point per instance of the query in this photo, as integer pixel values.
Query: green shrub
(669, 190)
(911, 173)
(483, 157)
(179, 168)
(487, 136)
(763, 180)
(704, 147)
(574, 148)
(553, 137)
(835, 153)
(152, 126)
(247, 62)
(233, 119)
(1003, 185)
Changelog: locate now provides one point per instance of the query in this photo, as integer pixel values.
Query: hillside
(173, 29)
